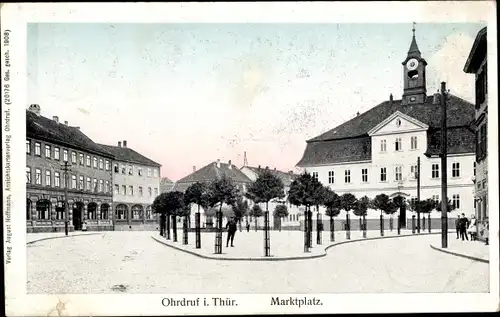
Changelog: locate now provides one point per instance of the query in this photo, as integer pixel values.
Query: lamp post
(418, 194)
(444, 173)
(66, 169)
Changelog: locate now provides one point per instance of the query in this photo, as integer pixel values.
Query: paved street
(133, 262)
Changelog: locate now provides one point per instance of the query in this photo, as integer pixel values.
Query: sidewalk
(35, 237)
(474, 250)
(285, 245)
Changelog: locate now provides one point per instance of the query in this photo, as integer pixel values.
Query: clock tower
(414, 75)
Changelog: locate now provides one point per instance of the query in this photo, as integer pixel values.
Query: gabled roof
(396, 114)
(286, 178)
(126, 154)
(41, 128)
(211, 172)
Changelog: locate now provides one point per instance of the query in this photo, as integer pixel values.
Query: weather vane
(413, 29)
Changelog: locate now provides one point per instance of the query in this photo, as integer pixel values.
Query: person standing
(231, 231)
(464, 224)
(472, 230)
(457, 226)
(248, 227)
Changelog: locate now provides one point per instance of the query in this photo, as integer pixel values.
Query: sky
(186, 95)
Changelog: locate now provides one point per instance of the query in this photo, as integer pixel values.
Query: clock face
(412, 64)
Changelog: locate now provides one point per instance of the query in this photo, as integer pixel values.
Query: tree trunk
(167, 216)
(174, 227)
(162, 225)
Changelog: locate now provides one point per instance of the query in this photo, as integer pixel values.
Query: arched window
(43, 209)
(60, 210)
(104, 211)
(137, 212)
(92, 211)
(28, 209)
(149, 214)
(121, 212)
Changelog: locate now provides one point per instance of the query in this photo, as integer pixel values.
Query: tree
(256, 212)
(348, 202)
(332, 203)
(451, 206)
(169, 204)
(240, 209)
(266, 187)
(281, 211)
(197, 193)
(382, 202)
(361, 208)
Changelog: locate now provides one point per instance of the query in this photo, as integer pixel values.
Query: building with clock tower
(377, 151)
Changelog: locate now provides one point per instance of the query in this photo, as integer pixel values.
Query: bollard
(381, 225)
(399, 226)
(413, 224)
(347, 227)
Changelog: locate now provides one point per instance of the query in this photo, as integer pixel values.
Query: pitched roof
(211, 172)
(166, 185)
(477, 52)
(286, 178)
(127, 154)
(42, 128)
(349, 142)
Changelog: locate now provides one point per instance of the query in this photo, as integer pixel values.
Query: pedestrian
(231, 231)
(472, 230)
(464, 224)
(485, 230)
(248, 227)
(457, 226)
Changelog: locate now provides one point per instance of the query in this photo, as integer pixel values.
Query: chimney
(119, 143)
(66, 122)
(194, 168)
(290, 172)
(391, 99)
(275, 168)
(124, 143)
(357, 113)
(55, 118)
(229, 164)
(77, 128)
(435, 98)
(259, 166)
(267, 167)
(218, 163)
(35, 109)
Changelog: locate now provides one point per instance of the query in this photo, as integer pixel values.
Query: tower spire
(414, 51)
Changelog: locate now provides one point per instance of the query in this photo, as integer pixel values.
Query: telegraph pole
(444, 173)
(418, 195)
(66, 169)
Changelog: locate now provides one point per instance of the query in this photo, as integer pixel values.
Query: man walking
(464, 224)
(231, 231)
(457, 226)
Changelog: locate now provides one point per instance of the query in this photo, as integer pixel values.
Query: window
(101, 185)
(117, 189)
(38, 176)
(398, 173)
(65, 155)
(131, 190)
(107, 165)
(156, 192)
(106, 188)
(456, 201)
(364, 175)
(101, 163)
(383, 146)
(481, 87)
(89, 183)
(140, 191)
(149, 172)
(80, 183)
(455, 170)
(122, 167)
(435, 170)
(28, 147)
(398, 144)
(28, 175)
(73, 157)
(413, 202)
(130, 170)
(94, 185)
(57, 154)
(413, 143)
(47, 151)
(38, 148)
(413, 171)
(81, 158)
(115, 168)
(57, 179)
(155, 172)
(124, 190)
(436, 199)
(149, 191)
(73, 181)
(88, 160)
(139, 171)
(331, 177)
(347, 176)
(315, 175)
(94, 159)
(383, 174)
(481, 142)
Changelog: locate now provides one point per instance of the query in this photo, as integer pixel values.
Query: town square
(231, 158)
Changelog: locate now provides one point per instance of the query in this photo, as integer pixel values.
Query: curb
(461, 255)
(68, 236)
(292, 258)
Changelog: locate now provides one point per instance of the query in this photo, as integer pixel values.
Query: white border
(15, 17)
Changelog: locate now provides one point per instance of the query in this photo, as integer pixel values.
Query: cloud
(447, 65)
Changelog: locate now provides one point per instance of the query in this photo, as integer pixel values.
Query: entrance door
(402, 215)
(77, 216)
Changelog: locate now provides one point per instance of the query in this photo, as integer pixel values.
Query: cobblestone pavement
(133, 262)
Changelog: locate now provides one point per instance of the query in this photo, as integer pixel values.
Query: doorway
(77, 215)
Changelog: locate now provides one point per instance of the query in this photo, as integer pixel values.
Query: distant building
(136, 183)
(477, 64)
(376, 152)
(49, 144)
(166, 185)
(294, 213)
(207, 174)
